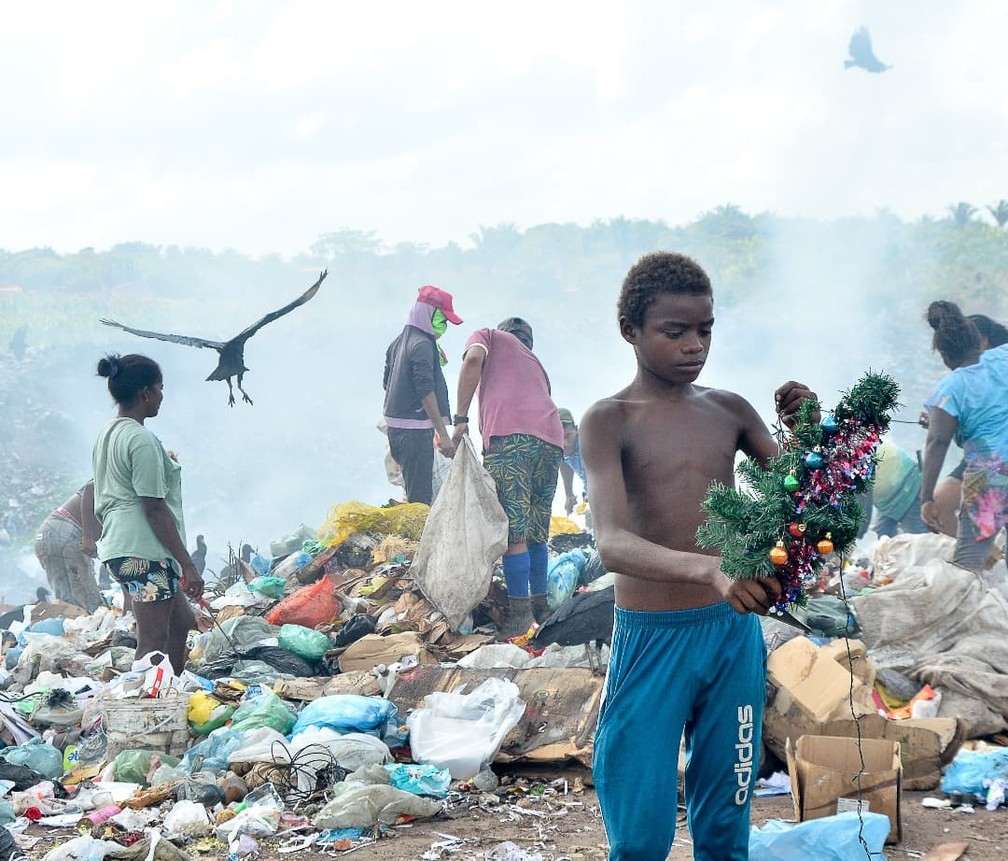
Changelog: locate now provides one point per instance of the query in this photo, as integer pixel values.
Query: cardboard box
(824, 775)
(810, 693)
(815, 682)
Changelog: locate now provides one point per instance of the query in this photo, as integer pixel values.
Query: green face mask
(439, 322)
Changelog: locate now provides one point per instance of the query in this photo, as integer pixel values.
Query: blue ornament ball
(813, 460)
(830, 425)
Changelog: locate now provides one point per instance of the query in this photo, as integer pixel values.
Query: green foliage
(745, 524)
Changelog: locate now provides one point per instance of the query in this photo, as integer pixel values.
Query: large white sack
(465, 533)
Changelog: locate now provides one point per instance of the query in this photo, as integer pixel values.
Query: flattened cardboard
(824, 769)
(561, 708)
(362, 682)
(373, 649)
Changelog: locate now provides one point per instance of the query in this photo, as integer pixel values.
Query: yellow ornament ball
(778, 555)
(825, 545)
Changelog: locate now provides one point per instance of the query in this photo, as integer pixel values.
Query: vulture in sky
(861, 53)
(232, 353)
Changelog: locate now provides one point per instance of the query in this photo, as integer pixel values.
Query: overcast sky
(259, 126)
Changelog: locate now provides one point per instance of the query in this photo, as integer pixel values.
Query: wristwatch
(460, 420)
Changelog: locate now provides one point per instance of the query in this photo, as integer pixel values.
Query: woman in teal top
(971, 406)
(138, 501)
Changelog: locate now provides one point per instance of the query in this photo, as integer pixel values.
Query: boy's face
(674, 341)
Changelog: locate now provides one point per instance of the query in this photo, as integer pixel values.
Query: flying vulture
(232, 353)
(862, 55)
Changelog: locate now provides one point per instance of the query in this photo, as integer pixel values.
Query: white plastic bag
(463, 732)
(187, 819)
(465, 533)
(356, 805)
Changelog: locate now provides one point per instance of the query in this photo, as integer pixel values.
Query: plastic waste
(242, 846)
(134, 766)
(268, 587)
(202, 788)
(562, 576)
(510, 851)
(831, 838)
(82, 849)
(7, 814)
(257, 821)
(265, 796)
(347, 713)
(38, 756)
(304, 642)
(358, 805)
(463, 731)
(293, 562)
(8, 848)
(241, 631)
(420, 779)
(309, 606)
(215, 750)
(351, 750)
(187, 819)
(267, 709)
(260, 564)
(967, 772)
(354, 628)
(207, 713)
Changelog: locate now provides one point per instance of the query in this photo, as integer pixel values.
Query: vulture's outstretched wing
(862, 54)
(860, 46)
(162, 336)
(274, 315)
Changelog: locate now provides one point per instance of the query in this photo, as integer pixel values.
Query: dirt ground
(554, 815)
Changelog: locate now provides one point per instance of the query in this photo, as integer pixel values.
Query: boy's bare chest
(688, 441)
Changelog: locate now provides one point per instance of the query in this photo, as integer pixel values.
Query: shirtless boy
(687, 651)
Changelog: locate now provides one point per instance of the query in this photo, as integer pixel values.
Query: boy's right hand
(756, 595)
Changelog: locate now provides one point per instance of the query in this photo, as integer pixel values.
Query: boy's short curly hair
(657, 273)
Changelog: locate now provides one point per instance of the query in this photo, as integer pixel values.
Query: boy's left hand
(788, 399)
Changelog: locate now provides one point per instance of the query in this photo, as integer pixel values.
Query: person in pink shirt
(522, 450)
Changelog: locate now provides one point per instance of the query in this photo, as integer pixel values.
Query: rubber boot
(540, 607)
(519, 619)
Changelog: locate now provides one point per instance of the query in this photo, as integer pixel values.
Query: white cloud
(257, 126)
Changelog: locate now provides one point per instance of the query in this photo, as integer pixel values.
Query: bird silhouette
(232, 352)
(862, 55)
(198, 555)
(17, 614)
(585, 618)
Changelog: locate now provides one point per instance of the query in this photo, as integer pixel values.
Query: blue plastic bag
(831, 838)
(562, 576)
(37, 755)
(420, 779)
(347, 713)
(967, 772)
(52, 626)
(215, 750)
(261, 565)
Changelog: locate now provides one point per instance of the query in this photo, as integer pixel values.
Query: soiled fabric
(69, 571)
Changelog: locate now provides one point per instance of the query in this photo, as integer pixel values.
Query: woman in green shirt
(138, 501)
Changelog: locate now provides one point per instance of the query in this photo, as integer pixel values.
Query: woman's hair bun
(942, 312)
(108, 367)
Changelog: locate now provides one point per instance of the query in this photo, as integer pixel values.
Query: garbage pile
(325, 700)
(328, 697)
